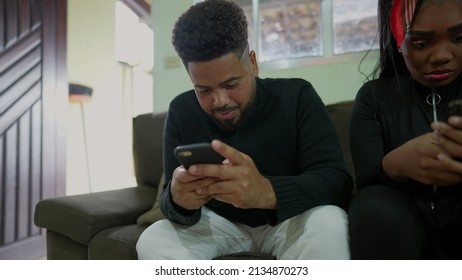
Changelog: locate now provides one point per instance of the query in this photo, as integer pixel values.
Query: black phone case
(200, 153)
(455, 107)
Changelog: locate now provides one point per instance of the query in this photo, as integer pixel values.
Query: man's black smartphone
(455, 108)
(199, 153)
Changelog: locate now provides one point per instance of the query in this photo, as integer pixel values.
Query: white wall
(168, 82)
(108, 118)
(334, 82)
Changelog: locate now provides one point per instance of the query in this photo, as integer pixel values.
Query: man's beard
(232, 125)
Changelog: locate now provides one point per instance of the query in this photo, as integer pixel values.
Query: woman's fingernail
(441, 157)
(456, 120)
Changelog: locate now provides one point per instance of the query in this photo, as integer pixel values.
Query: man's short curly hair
(209, 30)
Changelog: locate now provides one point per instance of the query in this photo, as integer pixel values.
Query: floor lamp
(81, 94)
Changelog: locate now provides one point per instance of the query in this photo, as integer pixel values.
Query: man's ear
(253, 62)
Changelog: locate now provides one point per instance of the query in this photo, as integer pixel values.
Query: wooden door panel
(9, 188)
(21, 187)
(24, 16)
(20, 59)
(11, 13)
(33, 91)
(23, 217)
(35, 163)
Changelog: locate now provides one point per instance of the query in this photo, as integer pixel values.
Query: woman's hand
(419, 159)
(449, 137)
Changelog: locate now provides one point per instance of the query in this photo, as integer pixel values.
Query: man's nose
(220, 98)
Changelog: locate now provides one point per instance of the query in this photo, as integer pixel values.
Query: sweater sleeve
(366, 140)
(322, 177)
(176, 213)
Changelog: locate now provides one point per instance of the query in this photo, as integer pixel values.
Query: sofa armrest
(80, 217)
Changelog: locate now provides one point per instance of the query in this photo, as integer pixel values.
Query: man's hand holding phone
(239, 181)
(184, 184)
(236, 181)
(184, 188)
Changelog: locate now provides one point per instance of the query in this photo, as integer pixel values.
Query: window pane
(246, 5)
(355, 25)
(290, 29)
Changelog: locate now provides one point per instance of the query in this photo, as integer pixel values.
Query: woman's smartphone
(455, 108)
(200, 153)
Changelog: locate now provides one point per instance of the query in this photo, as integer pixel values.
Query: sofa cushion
(117, 243)
(80, 217)
(154, 214)
(148, 132)
(61, 247)
(340, 114)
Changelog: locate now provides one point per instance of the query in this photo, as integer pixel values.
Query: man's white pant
(318, 234)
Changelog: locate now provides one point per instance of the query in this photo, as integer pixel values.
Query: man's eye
(231, 86)
(458, 39)
(203, 91)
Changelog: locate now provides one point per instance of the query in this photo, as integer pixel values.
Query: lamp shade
(79, 92)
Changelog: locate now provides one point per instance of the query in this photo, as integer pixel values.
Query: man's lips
(225, 113)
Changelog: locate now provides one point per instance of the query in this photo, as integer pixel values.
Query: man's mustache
(225, 109)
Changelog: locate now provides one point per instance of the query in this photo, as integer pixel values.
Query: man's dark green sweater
(288, 135)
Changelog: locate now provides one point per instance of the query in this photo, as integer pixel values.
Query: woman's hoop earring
(399, 50)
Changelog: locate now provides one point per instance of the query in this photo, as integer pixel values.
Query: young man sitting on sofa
(283, 182)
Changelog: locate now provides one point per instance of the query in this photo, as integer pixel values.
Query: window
(354, 24)
(134, 39)
(134, 44)
(289, 30)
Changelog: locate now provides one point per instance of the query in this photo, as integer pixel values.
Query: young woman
(405, 147)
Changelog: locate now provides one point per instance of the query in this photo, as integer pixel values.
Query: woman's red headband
(401, 15)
